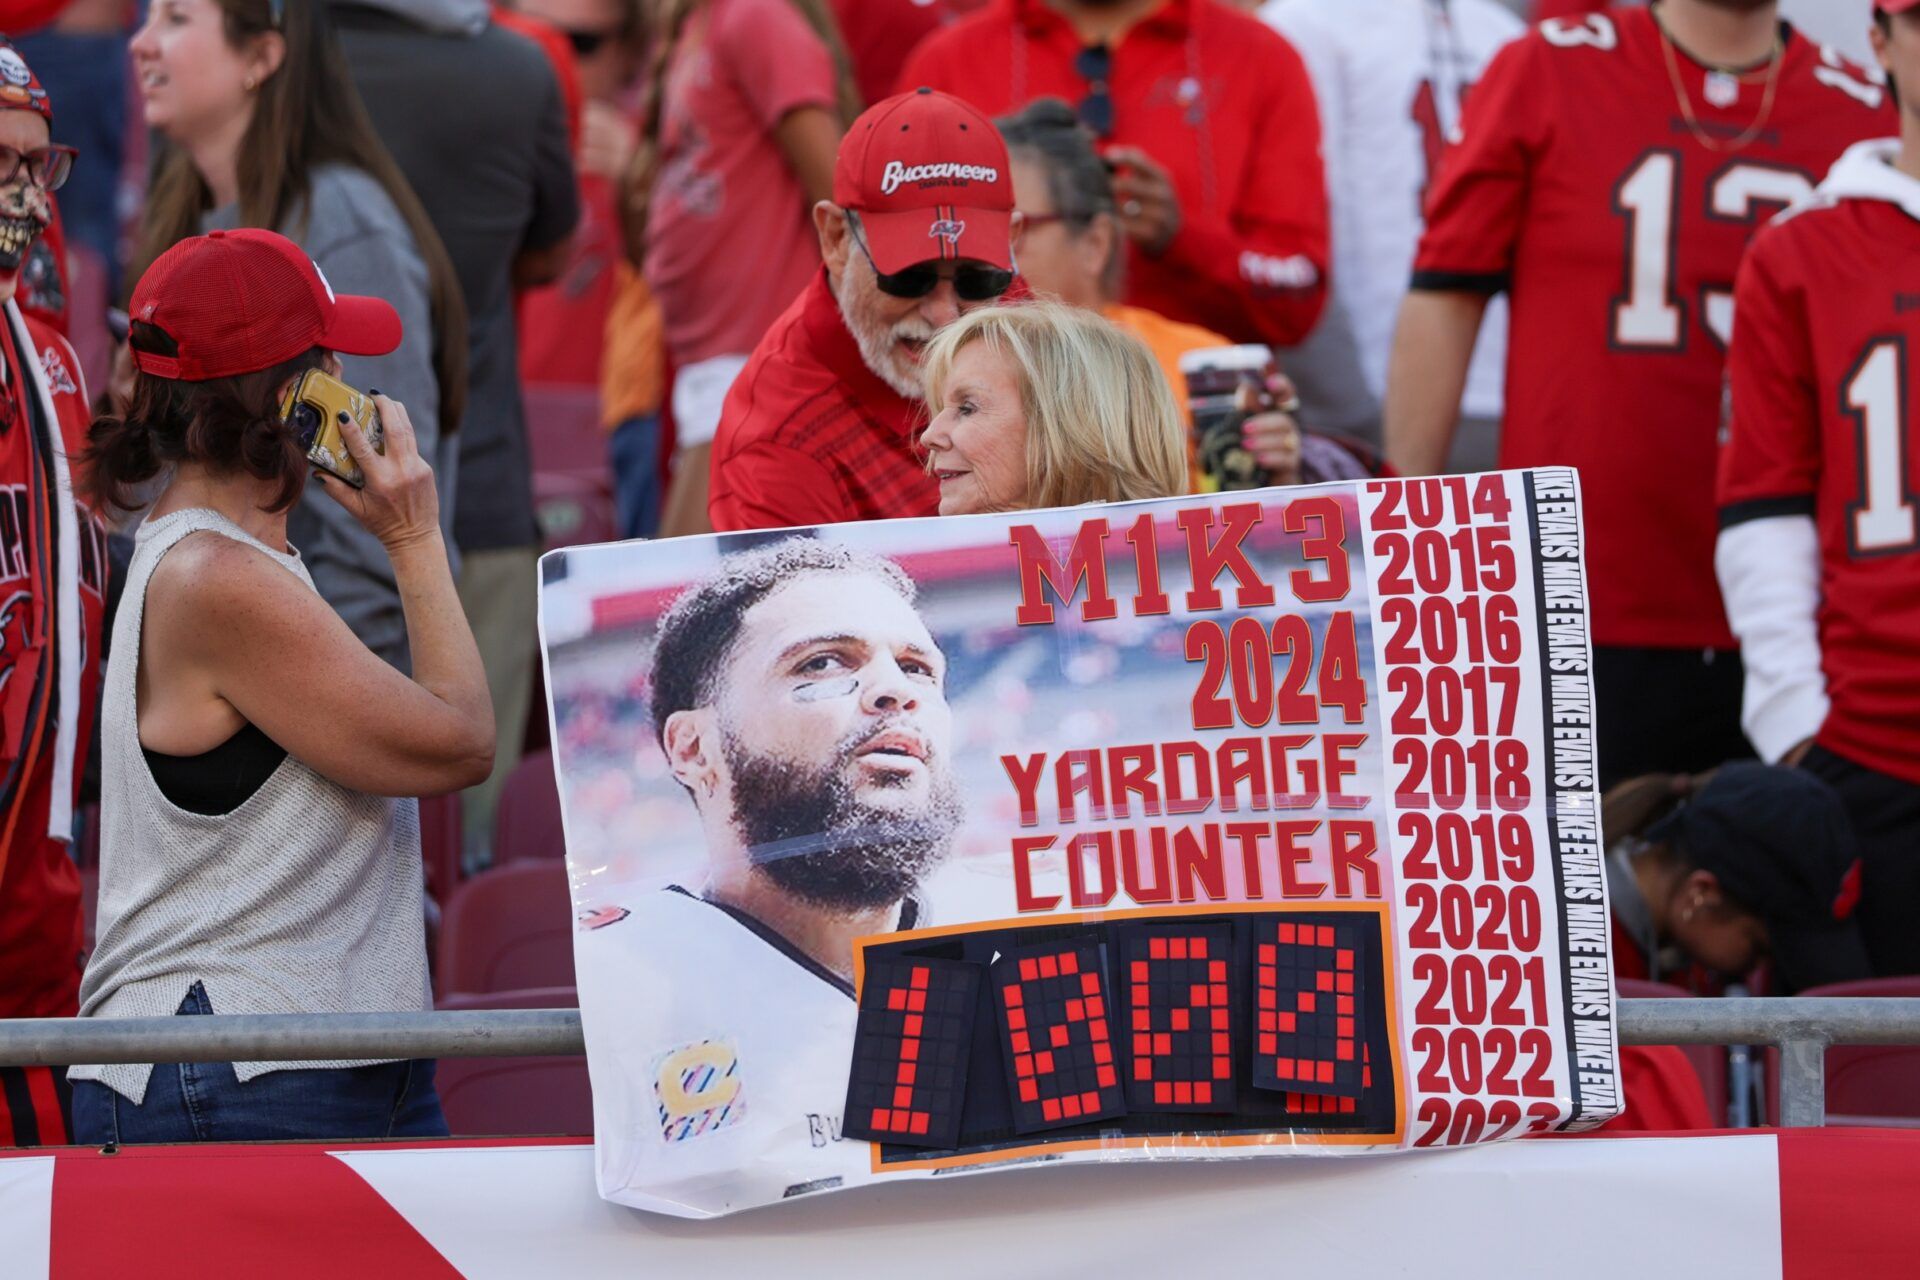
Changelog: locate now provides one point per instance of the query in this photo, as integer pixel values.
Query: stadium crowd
(651, 268)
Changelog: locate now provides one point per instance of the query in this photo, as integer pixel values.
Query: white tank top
(305, 899)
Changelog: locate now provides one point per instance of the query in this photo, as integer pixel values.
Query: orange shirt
(632, 367)
(1168, 340)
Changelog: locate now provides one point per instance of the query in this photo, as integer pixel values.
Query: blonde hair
(1102, 425)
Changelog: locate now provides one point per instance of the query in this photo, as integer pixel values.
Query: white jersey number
(1594, 30)
(1874, 396)
(1650, 315)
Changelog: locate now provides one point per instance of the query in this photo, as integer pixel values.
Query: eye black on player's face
(837, 667)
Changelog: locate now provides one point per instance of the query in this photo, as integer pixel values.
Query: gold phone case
(312, 407)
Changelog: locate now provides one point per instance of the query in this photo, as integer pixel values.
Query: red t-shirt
(1824, 371)
(730, 236)
(1663, 1093)
(809, 435)
(40, 923)
(1222, 102)
(1579, 186)
(559, 323)
(879, 34)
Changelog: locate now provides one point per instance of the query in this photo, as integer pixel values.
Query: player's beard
(808, 831)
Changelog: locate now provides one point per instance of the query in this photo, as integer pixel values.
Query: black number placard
(911, 1044)
(1053, 1005)
(1309, 1024)
(1177, 990)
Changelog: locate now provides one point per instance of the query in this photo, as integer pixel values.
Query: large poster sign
(1209, 827)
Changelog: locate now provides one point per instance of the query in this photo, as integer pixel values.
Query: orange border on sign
(1186, 1141)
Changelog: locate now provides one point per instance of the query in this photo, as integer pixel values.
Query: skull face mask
(25, 211)
(26, 208)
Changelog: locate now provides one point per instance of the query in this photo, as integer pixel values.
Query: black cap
(1781, 845)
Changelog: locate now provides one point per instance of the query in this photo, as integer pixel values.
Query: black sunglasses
(1094, 64)
(972, 282)
(587, 43)
(47, 167)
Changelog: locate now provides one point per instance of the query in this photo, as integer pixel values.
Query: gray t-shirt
(356, 236)
(477, 124)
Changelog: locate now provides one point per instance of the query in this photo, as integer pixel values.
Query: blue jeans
(206, 1102)
(634, 450)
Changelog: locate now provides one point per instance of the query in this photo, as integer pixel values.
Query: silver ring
(1292, 405)
(1131, 208)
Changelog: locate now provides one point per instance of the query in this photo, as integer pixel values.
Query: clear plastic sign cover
(1213, 827)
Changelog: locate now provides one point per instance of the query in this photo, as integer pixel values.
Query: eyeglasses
(1032, 220)
(972, 282)
(47, 167)
(1094, 64)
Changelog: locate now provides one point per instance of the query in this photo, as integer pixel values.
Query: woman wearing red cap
(254, 857)
(266, 130)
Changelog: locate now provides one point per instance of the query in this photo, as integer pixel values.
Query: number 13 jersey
(1825, 377)
(1581, 187)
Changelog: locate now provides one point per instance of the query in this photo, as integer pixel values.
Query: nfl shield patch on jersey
(698, 1089)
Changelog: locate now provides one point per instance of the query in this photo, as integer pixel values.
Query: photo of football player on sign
(800, 702)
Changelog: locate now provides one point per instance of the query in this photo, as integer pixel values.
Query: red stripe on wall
(1838, 1189)
(226, 1211)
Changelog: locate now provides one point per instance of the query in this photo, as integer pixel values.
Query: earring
(249, 82)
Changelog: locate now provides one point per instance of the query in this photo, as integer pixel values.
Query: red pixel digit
(1309, 1029)
(1178, 994)
(910, 1051)
(1056, 1035)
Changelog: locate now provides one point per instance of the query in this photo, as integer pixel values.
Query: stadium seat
(1865, 1083)
(508, 928)
(1709, 1060)
(573, 509)
(515, 1097)
(527, 824)
(440, 844)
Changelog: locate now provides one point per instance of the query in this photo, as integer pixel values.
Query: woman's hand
(607, 140)
(399, 504)
(1273, 436)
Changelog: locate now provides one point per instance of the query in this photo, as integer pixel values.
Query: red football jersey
(1825, 377)
(40, 925)
(1579, 185)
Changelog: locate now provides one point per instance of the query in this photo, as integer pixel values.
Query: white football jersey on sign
(725, 1045)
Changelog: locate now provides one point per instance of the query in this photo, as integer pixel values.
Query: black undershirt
(219, 781)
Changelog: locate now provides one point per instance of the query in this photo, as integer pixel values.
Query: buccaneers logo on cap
(948, 229)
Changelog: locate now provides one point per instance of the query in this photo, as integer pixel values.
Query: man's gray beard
(808, 832)
(877, 349)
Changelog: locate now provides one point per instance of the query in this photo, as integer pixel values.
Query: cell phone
(313, 406)
(1225, 386)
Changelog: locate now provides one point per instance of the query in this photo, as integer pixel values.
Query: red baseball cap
(237, 302)
(1895, 6)
(929, 177)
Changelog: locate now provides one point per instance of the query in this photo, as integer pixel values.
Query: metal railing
(1801, 1028)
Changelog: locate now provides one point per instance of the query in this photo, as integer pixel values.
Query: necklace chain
(1774, 60)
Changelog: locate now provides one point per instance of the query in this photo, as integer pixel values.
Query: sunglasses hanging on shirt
(1094, 64)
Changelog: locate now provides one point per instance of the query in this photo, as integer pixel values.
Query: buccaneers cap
(929, 177)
